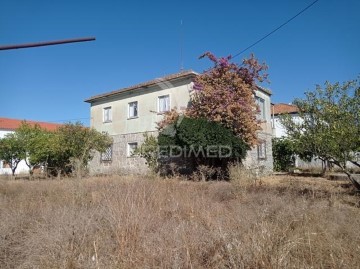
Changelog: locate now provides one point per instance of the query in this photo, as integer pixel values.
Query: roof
(267, 91)
(183, 74)
(13, 124)
(285, 109)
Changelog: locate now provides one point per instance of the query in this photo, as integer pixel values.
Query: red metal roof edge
(282, 108)
(13, 124)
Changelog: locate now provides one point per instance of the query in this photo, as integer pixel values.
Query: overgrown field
(120, 222)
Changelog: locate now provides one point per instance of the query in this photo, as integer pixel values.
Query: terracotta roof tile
(285, 109)
(13, 124)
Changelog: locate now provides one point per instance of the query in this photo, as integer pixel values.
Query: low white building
(8, 126)
(279, 110)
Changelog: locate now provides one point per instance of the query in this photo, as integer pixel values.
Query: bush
(204, 142)
(149, 151)
(283, 154)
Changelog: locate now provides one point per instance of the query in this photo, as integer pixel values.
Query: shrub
(149, 151)
(283, 154)
(204, 142)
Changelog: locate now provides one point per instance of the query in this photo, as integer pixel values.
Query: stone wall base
(124, 165)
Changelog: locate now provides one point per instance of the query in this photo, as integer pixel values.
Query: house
(281, 109)
(126, 114)
(278, 110)
(8, 126)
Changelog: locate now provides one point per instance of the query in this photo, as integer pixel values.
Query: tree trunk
(353, 180)
(58, 174)
(355, 163)
(323, 165)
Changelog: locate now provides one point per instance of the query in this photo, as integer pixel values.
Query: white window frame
(107, 114)
(261, 150)
(130, 150)
(261, 103)
(132, 111)
(167, 104)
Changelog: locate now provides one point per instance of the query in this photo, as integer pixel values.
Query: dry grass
(140, 223)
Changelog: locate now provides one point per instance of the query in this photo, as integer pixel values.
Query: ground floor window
(107, 155)
(131, 147)
(261, 149)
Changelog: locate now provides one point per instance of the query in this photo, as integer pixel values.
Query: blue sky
(140, 40)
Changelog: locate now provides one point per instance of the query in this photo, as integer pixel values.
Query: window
(133, 110)
(261, 104)
(131, 148)
(107, 114)
(261, 147)
(164, 103)
(107, 155)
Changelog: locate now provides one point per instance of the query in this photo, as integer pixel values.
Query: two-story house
(126, 114)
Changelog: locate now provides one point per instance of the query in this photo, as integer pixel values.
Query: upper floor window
(261, 104)
(164, 103)
(133, 110)
(107, 114)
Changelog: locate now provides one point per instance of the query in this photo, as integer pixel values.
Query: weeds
(125, 222)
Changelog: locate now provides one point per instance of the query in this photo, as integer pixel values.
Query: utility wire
(68, 120)
(46, 43)
(273, 31)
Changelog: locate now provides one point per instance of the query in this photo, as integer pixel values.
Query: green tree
(34, 141)
(12, 151)
(74, 146)
(66, 150)
(329, 125)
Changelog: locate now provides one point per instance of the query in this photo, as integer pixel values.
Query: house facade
(279, 110)
(8, 126)
(127, 114)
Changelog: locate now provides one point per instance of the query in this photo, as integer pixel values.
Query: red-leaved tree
(225, 94)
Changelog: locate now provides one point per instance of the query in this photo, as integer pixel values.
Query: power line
(47, 43)
(68, 120)
(273, 31)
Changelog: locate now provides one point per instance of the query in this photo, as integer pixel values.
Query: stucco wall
(148, 115)
(262, 165)
(279, 129)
